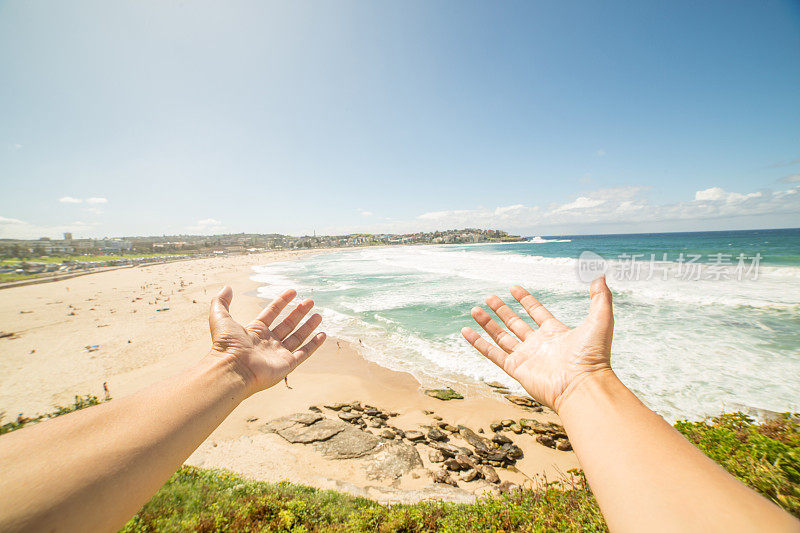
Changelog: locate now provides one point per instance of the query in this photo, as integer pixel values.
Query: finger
(282, 330)
(307, 350)
(489, 350)
(503, 338)
(533, 307)
(219, 313)
(601, 309)
(271, 312)
(518, 327)
(296, 339)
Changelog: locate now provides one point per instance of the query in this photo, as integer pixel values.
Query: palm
(264, 355)
(547, 360)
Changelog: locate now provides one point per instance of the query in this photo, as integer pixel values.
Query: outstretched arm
(644, 474)
(93, 469)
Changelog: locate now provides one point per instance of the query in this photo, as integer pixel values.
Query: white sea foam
(540, 240)
(687, 347)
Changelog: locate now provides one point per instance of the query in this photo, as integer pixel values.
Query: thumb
(601, 311)
(219, 313)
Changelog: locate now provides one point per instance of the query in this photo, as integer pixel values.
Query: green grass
(212, 500)
(765, 456)
(13, 276)
(61, 259)
(81, 402)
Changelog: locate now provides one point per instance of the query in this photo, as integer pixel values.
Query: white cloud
(791, 178)
(581, 202)
(72, 200)
(7, 221)
(365, 213)
(600, 152)
(206, 225)
(716, 194)
(627, 207)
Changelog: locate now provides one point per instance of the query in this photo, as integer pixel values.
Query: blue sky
(139, 118)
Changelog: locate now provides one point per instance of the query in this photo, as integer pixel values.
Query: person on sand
(93, 469)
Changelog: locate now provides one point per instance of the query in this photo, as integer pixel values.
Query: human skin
(644, 474)
(92, 470)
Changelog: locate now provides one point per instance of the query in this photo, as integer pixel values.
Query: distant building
(67, 236)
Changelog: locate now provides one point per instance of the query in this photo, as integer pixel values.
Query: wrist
(228, 371)
(586, 389)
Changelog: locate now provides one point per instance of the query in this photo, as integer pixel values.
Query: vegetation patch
(444, 394)
(764, 456)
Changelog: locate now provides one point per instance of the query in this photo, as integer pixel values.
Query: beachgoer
(644, 474)
(105, 391)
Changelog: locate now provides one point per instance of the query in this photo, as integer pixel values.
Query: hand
(264, 356)
(553, 360)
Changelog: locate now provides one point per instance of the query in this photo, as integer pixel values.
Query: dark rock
(546, 440)
(465, 461)
(436, 456)
(477, 442)
(444, 394)
(336, 406)
(437, 417)
(537, 427)
(448, 450)
(350, 443)
(495, 426)
(499, 438)
(507, 486)
(516, 428)
(435, 434)
(305, 418)
(414, 435)
(468, 475)
(496, 385)
(350, 417)
(450, 428)
(296, 432)
(426, 412)
(375, 423)
(371, 412)
(488, 473)
(515, 452)
(564, 445)
(523, 401)
(356, 406)
(399, 432)
(443, 476)
(527, 422)
(507, 423)
(393, 459)
(386, 434)
(315, 409)
(452, 464)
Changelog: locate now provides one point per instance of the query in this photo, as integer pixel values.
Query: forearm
(647, 476)
(111, 458)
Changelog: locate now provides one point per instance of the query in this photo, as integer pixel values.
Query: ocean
(705, 322)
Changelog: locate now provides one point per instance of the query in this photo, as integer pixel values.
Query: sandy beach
(150, 322)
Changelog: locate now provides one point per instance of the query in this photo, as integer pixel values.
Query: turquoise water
(692, 337)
